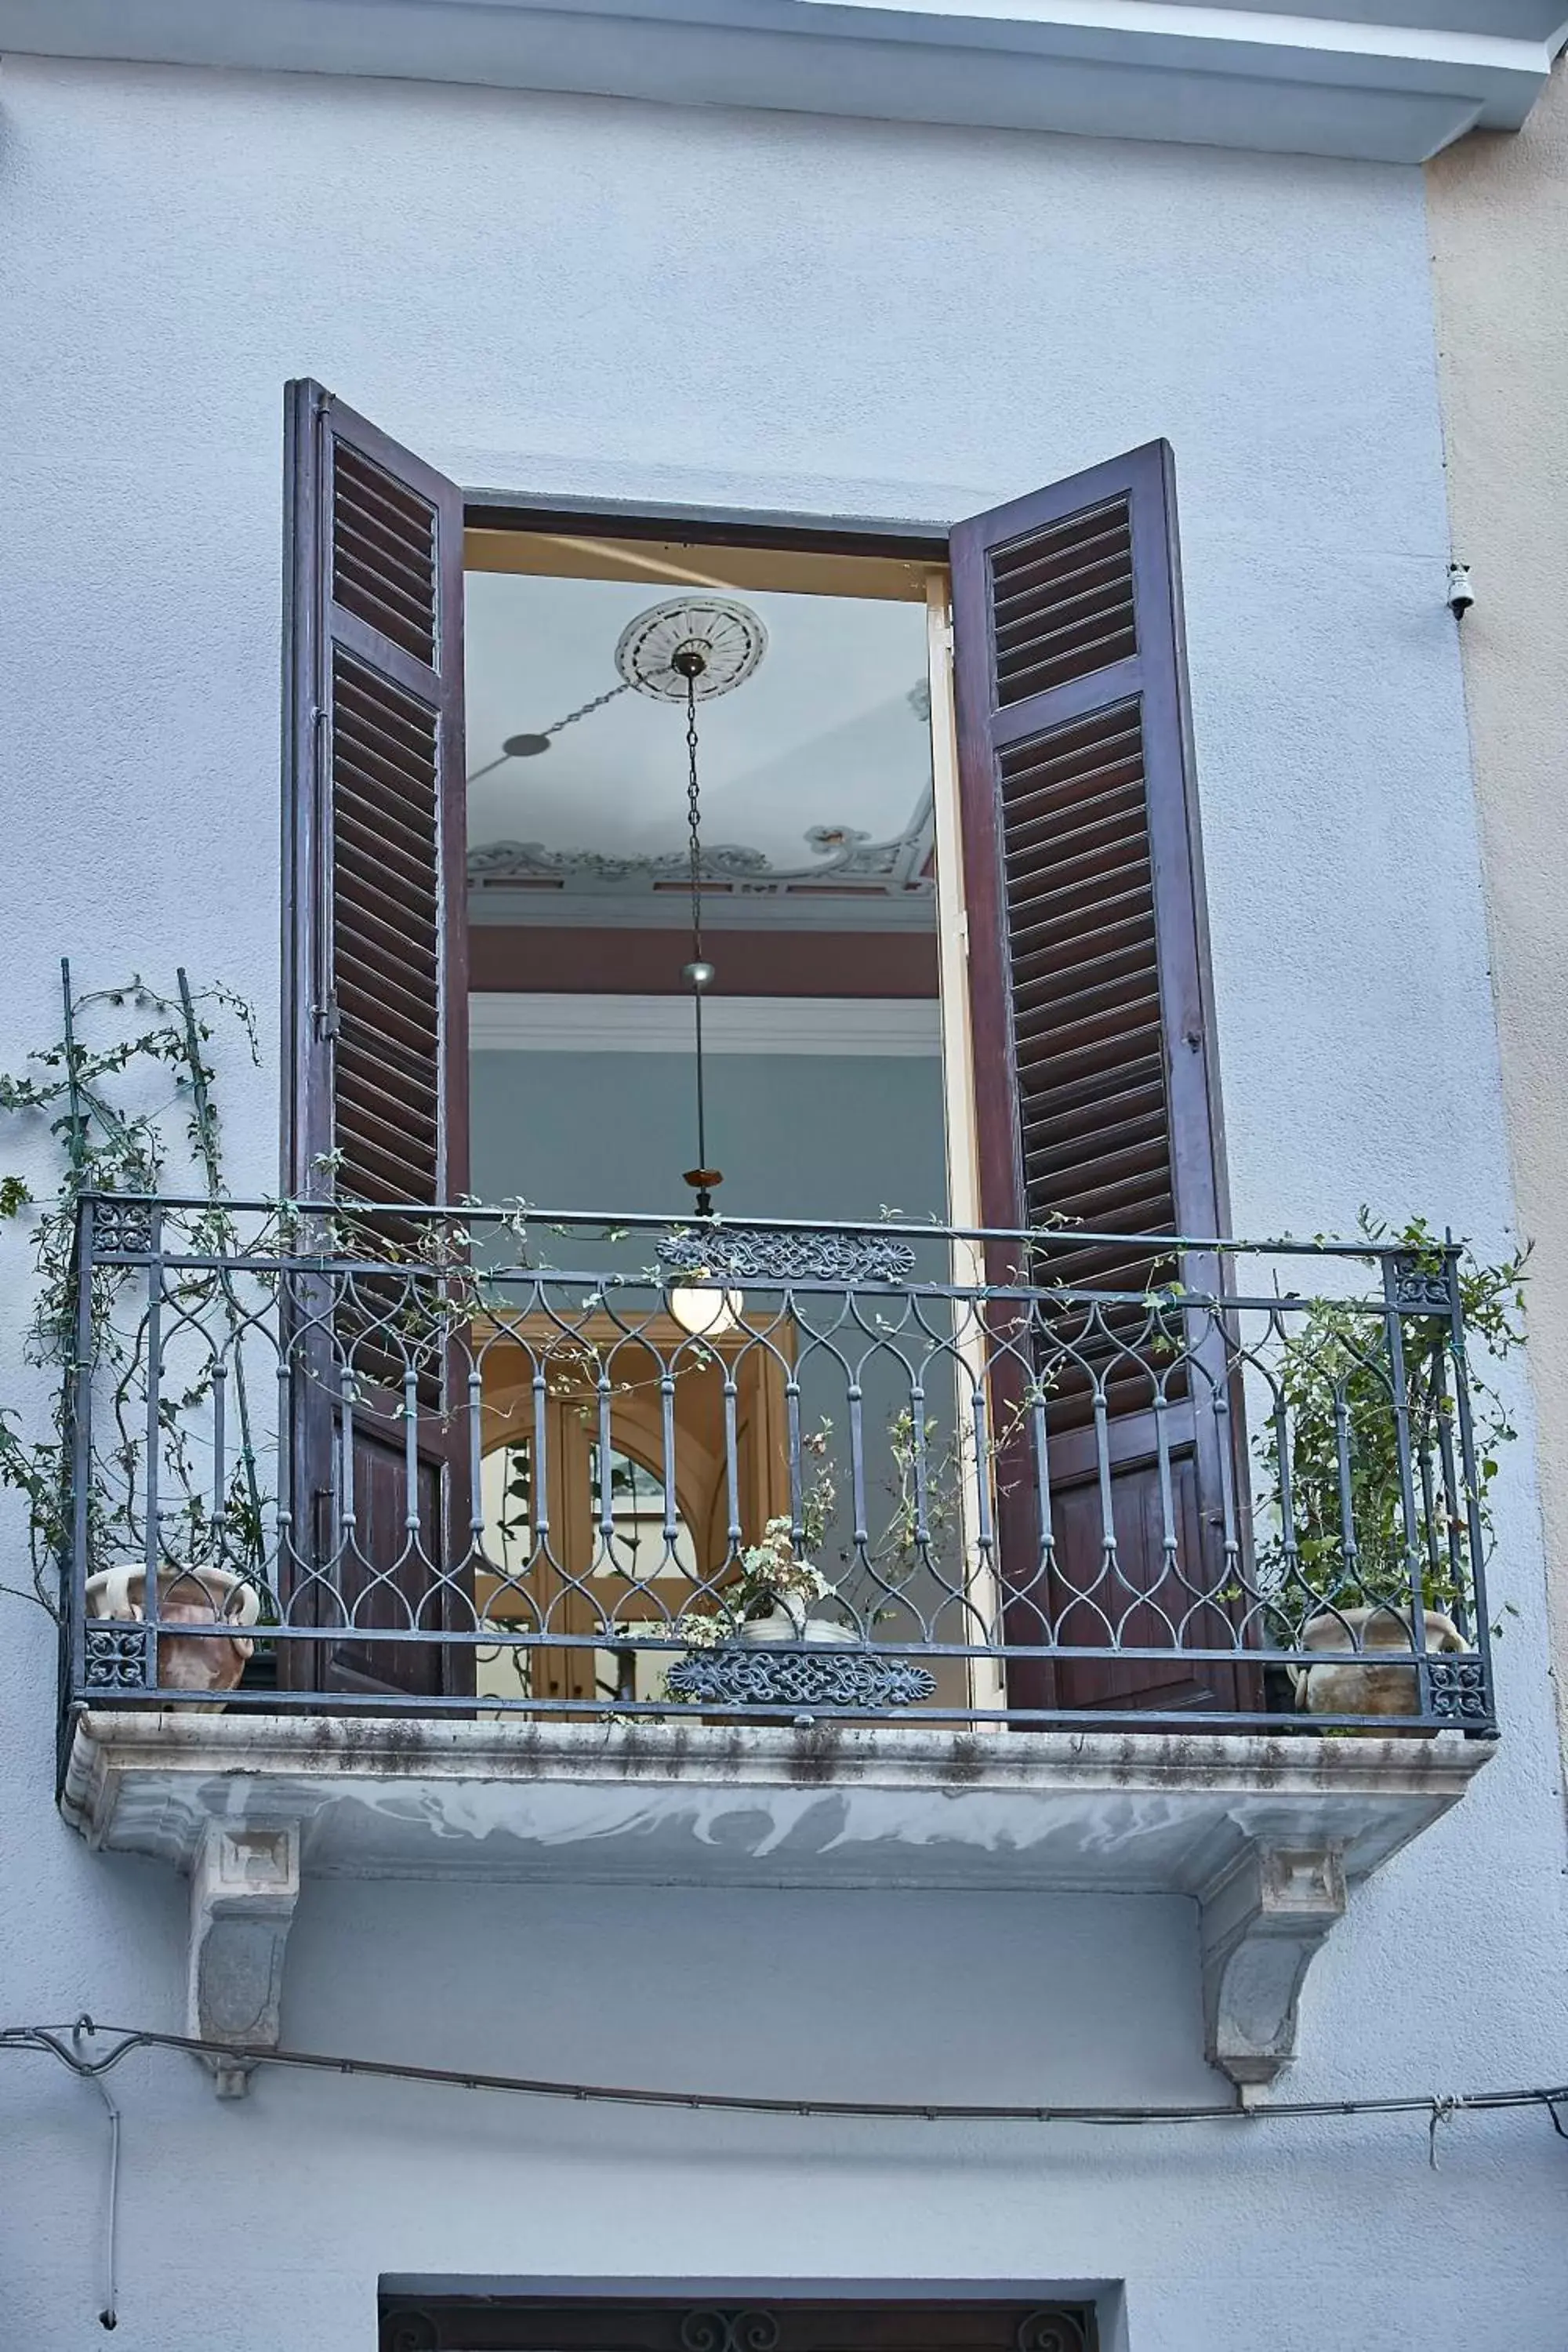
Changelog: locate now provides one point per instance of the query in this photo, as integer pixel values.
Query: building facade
(580, 317)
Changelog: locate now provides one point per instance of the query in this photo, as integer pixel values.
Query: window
(1074, 1003)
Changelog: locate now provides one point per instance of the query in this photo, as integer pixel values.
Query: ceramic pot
(186, 1596)
(1374, 1688)
(789, 1620)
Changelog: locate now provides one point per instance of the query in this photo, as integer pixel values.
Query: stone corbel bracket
(245, 1884)
(1264, 1920)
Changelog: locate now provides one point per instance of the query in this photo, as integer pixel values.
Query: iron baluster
(1479, 1718)
(1397, 1287)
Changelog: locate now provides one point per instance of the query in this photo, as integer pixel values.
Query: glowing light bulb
(706, 1314)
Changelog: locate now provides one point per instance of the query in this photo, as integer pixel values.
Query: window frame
(926, 546)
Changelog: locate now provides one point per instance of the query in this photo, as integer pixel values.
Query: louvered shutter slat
(1070, 828)
(405, 935)
(362, 1004)
(401, 862)
(374, 520)
(388, 722)
(1033, 932)
(1054, 1155)
(1110, 941)
(1061, 604)
(377, 817)
(1098, 971)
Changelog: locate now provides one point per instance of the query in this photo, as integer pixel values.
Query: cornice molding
(1345, 85)
(501, 1021)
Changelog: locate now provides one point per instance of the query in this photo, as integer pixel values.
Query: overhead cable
(124, 2040)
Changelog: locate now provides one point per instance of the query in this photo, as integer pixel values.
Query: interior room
(804, 755)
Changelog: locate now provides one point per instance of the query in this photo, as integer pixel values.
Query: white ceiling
(822, 733)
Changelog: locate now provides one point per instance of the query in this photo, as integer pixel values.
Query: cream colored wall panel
(1499, 212)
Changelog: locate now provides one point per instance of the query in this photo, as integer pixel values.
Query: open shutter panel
(375, 1018)
(1090, 1000)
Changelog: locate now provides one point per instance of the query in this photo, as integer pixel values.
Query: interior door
(729, 1468)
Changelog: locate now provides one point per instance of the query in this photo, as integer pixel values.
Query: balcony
(501, 1543)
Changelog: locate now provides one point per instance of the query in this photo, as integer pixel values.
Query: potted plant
(213, 1547)
(775, 1594)
(1346, 1583)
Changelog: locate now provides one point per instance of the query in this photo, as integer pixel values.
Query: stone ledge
(819, 1805)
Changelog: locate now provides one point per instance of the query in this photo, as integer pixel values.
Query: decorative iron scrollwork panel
(738, 1675)
(116, 1657)
(1459, 1691)
(1418, 1285)
(1052, 2331)
(748, 1254)
(729, 2331)
(122, 1229)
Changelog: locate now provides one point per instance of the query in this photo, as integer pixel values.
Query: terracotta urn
(186, 1596)
(1375, 1688)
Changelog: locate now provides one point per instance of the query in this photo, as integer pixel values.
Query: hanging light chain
(528, 747)
(586, 709)
(694, 819)
(690, 662)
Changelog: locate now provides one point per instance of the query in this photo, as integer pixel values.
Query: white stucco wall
(591, 298)
(1499, 211)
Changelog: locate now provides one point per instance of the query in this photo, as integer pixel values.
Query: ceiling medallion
(729, 639)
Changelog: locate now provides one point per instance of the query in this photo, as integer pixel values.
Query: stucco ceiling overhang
(1388, 80)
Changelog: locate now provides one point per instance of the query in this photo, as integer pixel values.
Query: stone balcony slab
(1271, 1837)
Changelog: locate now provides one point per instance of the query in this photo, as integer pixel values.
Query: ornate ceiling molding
(845, 862)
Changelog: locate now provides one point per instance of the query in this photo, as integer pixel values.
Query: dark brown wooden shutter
(375, 1019)
(1091, 1004)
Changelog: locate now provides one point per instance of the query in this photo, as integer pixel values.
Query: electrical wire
(126, 2039)
(109, 2316)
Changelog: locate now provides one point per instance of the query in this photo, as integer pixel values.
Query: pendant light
(689, 650)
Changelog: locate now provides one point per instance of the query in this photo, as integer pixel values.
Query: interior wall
(796, 1136)
(829, 1136)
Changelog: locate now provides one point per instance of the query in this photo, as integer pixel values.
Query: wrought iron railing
(501, 1462)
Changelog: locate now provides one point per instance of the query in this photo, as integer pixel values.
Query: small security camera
(1461, 595)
